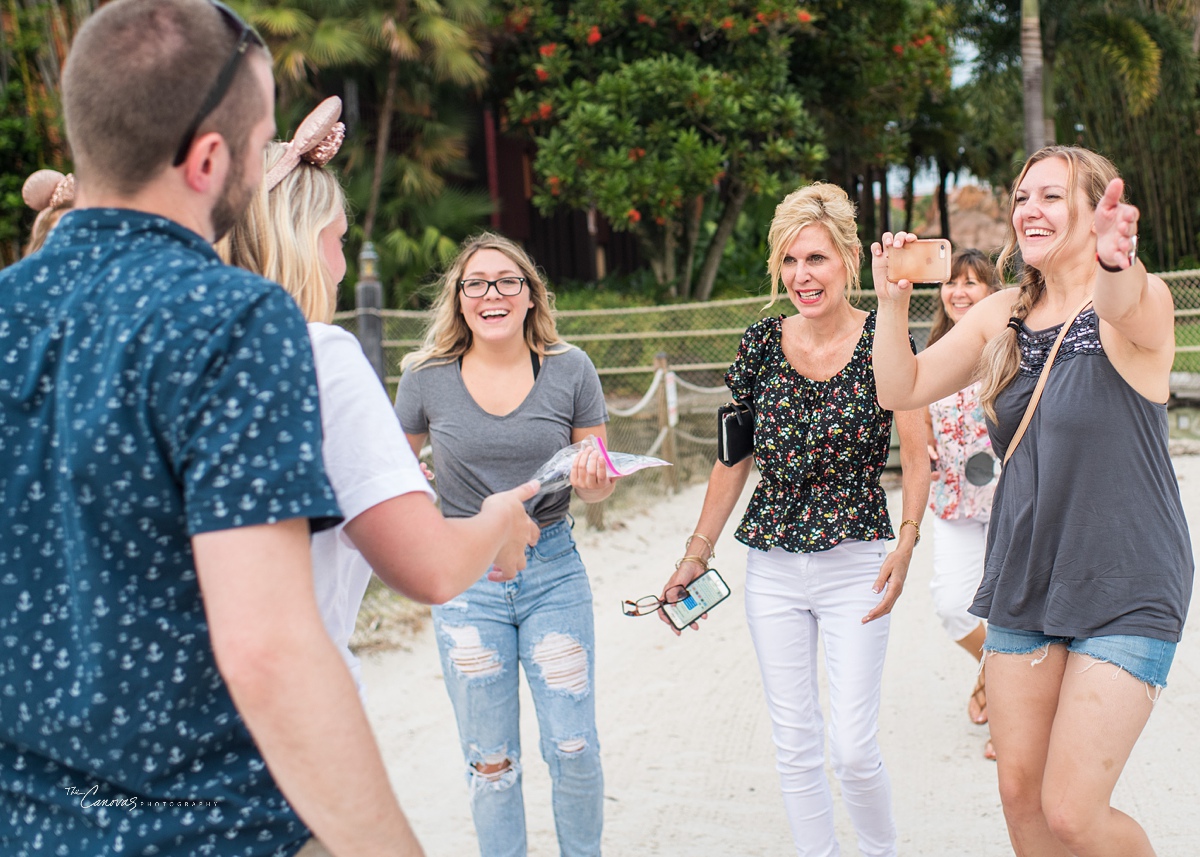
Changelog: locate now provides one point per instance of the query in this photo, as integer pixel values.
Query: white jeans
(958, 548)
(791, 597)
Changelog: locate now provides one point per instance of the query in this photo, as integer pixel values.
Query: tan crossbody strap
(1041, 384)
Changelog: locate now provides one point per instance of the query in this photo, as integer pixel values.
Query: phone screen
(705, 592)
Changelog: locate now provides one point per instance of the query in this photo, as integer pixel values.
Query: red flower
(634, 215)
(518, 20)
(752, 29)
(898, 49)
(727, 24)
(637, 153)
(593, 35)
(554, 183)
(762, 17)
(544, 110)
(662, 221)
(542, 74)
(548, 50)
(643, 18)
(803, 17)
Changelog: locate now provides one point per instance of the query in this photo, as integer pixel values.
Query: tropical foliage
(1120, 77)
(682, 123)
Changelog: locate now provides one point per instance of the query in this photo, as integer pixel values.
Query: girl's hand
(688, 571)
(1116, 225)
(425, 470)
(589, 475)
(885, 289)
(890, 582)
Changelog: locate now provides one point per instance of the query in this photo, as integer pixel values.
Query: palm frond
(1129, 50)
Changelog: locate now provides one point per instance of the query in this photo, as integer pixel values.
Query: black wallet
(735, 432)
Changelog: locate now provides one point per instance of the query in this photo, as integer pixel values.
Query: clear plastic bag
(555, 474)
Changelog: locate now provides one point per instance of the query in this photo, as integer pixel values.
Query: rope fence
(663, 370)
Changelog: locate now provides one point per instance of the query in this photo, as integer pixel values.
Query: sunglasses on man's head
(245, 37)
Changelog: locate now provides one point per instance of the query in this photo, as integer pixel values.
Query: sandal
(977, 704)
(989, 751)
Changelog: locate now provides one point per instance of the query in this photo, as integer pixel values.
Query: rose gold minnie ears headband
(316, 141)
(49, 189)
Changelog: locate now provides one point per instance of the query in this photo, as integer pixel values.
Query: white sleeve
(367, 457)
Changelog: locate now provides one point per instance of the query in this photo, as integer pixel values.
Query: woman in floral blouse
(818, 521)
(961, 497)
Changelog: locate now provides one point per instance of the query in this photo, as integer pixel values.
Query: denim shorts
(1145, 658)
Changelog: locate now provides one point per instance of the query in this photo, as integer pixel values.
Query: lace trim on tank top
(1082, 338)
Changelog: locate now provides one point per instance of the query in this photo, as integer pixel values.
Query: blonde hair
(46, 220)
(1001, 357)
(822, 203)
(278, 236)
(448, 337)
(964, 261)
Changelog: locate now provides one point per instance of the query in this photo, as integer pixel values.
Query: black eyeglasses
(505, 287)
(245, 37)
(652, 603)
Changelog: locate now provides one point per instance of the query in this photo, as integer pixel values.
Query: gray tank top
(1088, 536)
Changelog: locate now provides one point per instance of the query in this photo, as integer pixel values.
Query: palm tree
(413, 61)
(434, 43)
(1031, 77)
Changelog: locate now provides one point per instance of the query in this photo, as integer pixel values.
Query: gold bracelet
(698, 559)
(712, 552)
(916, 527)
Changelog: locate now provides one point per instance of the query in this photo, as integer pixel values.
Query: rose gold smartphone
(926, 260)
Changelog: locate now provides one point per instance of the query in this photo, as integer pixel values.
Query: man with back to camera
(159, 439)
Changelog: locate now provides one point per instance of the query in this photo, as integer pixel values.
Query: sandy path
(688, 758)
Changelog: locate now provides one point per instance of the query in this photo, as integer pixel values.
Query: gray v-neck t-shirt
(476, 454)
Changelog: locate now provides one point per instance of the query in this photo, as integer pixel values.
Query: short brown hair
(134, 79)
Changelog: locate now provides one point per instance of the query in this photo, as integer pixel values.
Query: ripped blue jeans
(542, 619)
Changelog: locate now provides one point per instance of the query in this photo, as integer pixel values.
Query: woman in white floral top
(961, 497)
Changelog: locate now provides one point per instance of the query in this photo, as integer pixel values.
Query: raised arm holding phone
(1089, 567)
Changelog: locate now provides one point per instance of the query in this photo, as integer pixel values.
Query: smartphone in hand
(704, 593)
(926, 260)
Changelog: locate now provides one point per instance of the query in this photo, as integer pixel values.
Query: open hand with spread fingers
(1116, 226)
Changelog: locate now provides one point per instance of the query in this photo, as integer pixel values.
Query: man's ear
(207, 163)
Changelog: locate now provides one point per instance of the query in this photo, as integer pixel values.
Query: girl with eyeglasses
(498, 392)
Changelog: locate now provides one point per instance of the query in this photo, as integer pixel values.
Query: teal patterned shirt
(148, 393)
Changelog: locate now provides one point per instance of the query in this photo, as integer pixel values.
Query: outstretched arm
(1138, 305)
(431, 559)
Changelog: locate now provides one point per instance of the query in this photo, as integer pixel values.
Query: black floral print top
(821, 446)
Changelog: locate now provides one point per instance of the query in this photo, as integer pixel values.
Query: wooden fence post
(667, 451)
(368, 298)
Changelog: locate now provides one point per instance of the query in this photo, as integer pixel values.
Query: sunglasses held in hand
(683, 605)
